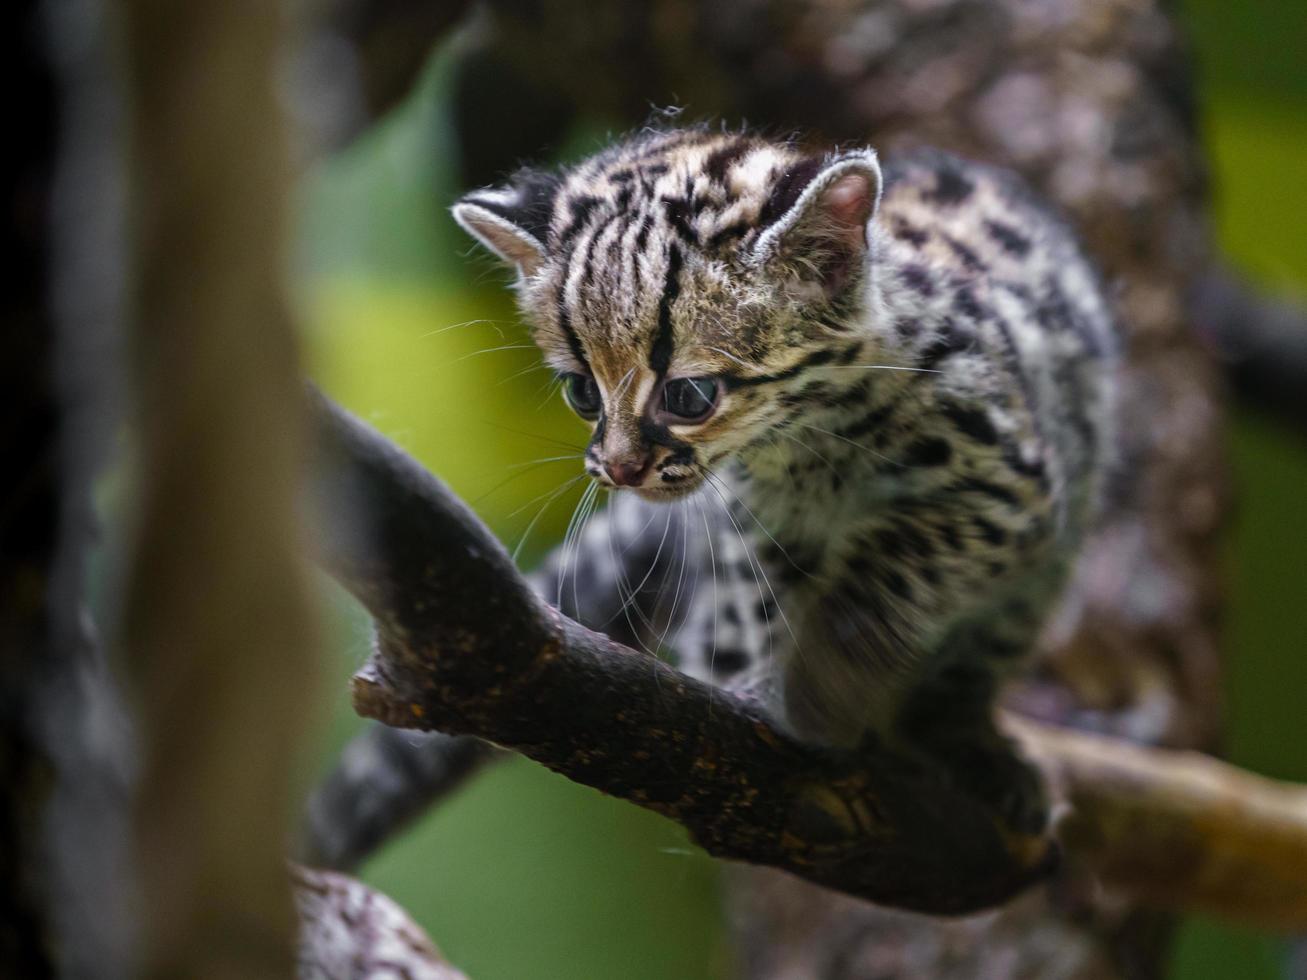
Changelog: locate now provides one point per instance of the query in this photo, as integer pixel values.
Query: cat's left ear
(816, 218)
(512, 221)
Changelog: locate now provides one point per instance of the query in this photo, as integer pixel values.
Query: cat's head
(685, 284)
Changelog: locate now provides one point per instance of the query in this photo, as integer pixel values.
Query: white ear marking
(510, 242)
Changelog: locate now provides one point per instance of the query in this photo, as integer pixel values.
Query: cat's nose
(628, 472)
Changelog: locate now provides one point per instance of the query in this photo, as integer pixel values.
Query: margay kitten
(884, 399)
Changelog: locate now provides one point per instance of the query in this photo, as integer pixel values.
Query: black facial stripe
(729, 233)
(682, 457)
(720, 160)
(565, 325)
(815, 359)
(971, 422)
(678, 216)
(788, 188)
(642, 236)
(596, 440)
(659, 435)
(579, 209)
(588, 263)
(660, 354)
(631, 259)
(966, 255)
(876, 419)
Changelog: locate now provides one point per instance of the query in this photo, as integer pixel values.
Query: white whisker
(553, 495)
(761, 527)
(523, 469)
(493, 350)
(874, 367)
(803, 445)
(680, 580)
(589, 499)
(728, 354)
(620, 388)
(712, 563)
(624, 584)
(536, 436)
(526, 370)
(756, 566)
(466, 323)
(855, 445)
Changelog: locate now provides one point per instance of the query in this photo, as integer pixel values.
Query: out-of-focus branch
(384, 779)
(1178, 829)
(217, 630)
(1261, 340)
(29, 500)
(380, 47)
(349, 930)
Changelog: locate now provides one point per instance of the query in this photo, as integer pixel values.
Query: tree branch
(465, 646)
(1260, 339)
(383, 780)
(349, 930)
(1178, 829)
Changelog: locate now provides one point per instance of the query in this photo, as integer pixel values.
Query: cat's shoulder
(975, 216)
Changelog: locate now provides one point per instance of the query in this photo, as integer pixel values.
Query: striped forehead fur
(662, 221)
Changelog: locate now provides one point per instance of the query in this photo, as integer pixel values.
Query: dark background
(526, 876)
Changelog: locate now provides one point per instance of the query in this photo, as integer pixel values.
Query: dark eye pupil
(582, 393)
(690, 398)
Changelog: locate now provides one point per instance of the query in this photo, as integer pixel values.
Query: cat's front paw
(988, 768)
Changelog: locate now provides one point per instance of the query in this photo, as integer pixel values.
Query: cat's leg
(949, 714)
(907, 630)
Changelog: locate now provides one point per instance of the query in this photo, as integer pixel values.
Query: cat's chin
(666, 494)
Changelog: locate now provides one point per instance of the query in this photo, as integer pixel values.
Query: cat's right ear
(512, 221)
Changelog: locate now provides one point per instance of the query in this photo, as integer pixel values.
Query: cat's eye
(582, 393)
(689, 400)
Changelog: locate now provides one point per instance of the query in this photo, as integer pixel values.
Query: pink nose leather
(627, 473)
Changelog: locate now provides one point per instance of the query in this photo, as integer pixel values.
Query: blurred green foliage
(524, 876)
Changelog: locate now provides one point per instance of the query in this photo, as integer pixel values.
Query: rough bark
(349, 930)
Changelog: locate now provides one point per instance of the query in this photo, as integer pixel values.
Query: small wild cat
(879, 403)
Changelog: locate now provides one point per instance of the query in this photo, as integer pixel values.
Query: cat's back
(982, 232)
(970, 246)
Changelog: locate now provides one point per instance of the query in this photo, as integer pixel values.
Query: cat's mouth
(669, 481)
